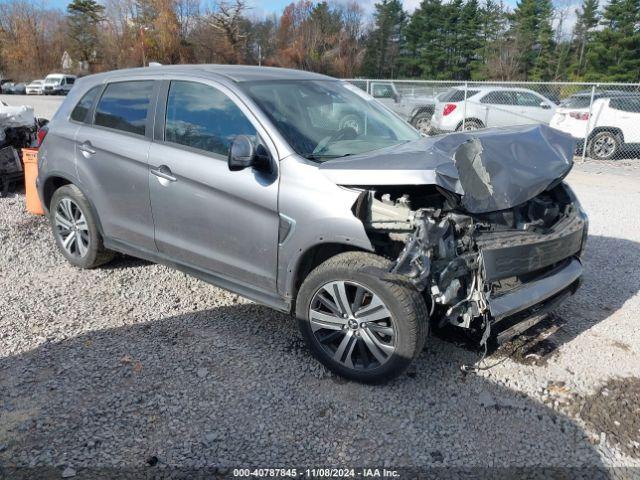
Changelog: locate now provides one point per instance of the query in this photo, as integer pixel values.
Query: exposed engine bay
(481, 222)
(462, 260)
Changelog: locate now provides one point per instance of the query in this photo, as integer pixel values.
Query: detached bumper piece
(520, 309)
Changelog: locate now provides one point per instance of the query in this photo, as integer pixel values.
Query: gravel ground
(135, 364)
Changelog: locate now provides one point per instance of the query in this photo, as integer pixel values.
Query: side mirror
(545, 106)
(396, 97)
(244, 154)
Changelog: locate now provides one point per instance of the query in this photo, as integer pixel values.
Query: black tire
(93, 253)
(422, 122)
(408, 316)
(605, 145)
(470, 125)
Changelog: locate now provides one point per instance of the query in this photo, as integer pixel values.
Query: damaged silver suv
(303, 193)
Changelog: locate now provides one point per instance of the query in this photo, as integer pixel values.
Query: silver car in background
(369, 233)
(490, 106)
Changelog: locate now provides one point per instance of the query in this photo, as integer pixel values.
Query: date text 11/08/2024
(316, 472)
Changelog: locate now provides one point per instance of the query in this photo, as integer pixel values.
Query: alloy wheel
(353, 325)
(71, 228)
(604, 146)
(423, 125)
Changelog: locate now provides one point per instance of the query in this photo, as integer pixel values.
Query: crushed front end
(497, 272)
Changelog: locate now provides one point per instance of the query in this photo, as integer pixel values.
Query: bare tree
(228, 18)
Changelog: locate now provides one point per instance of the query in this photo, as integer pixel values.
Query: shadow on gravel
(235, 386)
(610, 279)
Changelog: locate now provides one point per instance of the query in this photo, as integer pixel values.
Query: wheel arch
(312, 257)
(430, 109)
(471, 119)
(54, 182)
(615, 130)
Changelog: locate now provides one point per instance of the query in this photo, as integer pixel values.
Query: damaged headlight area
(476, 268)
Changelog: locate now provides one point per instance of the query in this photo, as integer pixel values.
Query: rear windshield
(456, 95)
(581, 101)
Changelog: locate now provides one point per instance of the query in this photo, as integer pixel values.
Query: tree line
(450, 39)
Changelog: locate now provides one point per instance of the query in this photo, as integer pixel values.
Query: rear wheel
(604, 145)
(75, 229)
(358, 325)
(422, 122)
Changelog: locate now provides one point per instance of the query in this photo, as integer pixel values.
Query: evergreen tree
(385, 40)
(613, 53)
(533, 35)
(83, 19)
(587, 20)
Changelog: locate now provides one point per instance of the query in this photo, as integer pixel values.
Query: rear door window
(499, 97)
(124, 106)
(526, 99)
(79, 113)
(626, 104)
(202, 117)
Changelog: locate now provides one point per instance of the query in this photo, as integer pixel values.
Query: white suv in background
(612, 127)
(490, 107)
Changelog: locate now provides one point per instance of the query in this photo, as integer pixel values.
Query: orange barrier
(30, 160)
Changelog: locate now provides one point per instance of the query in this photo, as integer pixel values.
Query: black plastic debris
(10, 169)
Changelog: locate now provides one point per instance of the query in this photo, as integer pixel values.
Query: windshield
(53, 80)
(324, 119)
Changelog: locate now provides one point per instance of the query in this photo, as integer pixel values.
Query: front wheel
(358, 325)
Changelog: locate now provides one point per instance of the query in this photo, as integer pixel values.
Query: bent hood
(492, 169)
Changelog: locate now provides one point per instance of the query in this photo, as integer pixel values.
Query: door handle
(85, 147)
(163, 172)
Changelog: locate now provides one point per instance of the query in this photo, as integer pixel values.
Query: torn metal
(499, 236)
(491, 169)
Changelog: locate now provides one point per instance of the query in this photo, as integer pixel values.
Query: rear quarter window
(576, 102)
(124, 106)
(79, 113)
(457, 95)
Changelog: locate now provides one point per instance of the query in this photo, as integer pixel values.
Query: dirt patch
(615, 411)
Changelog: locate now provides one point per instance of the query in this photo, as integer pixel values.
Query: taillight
(580, 115)
(42, 132)
(448, 108)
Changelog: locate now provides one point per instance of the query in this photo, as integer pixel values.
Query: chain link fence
(604, 118)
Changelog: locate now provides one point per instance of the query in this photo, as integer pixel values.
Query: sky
(261, 8)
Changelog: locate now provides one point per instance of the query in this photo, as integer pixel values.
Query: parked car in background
(35, 88)
(18, 89)
(5, 87)
(490, 107)
(232, 174)
(58, 84)
(611, 128)
(415, 109)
